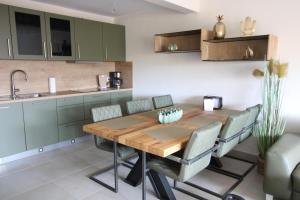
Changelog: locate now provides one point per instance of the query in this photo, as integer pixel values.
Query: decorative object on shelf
(170, 115)
(172, 47)
(248, 53)
(248, 26)
(219, 28)
(272, 124)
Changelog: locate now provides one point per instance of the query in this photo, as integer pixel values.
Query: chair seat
(296, 179)
(163, 166)
(124, 152)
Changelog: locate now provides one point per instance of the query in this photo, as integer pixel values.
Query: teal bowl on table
(169, 115)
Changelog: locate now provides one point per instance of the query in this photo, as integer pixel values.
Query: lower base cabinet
(40, 119)
(12, 135)
(121, 98)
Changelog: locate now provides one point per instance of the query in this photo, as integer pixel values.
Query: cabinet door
(60, 37)
(88, 37)
(40, 123)
(5, 36)
(71, 131)
(114, 42)
(12, 136)
(121, 98)
(93, 101)
(68, 114)
(28, 34)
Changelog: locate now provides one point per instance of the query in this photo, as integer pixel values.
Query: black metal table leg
(116, 165)
(144, 175)
(134, 177)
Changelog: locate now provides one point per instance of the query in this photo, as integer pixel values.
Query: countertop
(62, 94)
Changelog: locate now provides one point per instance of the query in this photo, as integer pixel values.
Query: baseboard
(51, 147)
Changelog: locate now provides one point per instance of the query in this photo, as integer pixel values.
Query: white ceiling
(111, 8)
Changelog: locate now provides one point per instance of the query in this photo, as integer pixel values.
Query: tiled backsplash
(69, 76)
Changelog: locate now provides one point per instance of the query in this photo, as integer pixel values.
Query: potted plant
(271, 122)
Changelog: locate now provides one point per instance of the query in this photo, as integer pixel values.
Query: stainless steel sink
(28, 96)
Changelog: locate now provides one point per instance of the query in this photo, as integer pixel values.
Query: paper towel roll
(52, 85)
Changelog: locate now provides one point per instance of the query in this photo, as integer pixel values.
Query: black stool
(233, 197)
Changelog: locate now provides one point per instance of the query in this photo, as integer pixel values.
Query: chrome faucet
(12, 83)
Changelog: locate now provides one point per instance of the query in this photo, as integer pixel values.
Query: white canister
(209, 104)
(52, 85)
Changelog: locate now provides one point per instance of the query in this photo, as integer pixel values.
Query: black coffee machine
(115, 80)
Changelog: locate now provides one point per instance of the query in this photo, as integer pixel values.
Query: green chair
(162, 101)
(137, 106)
(282, 168)
(195, 157)
(123, 152)
(253, 115)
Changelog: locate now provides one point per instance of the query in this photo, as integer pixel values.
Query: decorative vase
(172, 47)
(260, 165)
(219, 28)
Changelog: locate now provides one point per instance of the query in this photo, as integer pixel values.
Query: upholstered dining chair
(253, 115)
(162, 101)
(137, 106)
(123, 152)
(195, 157)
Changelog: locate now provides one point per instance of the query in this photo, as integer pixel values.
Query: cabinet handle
(4, 107)
(45, 50)
(51, 50)
(9, 47)
(78, 48)
(106, 53)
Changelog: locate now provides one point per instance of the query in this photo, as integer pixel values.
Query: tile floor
(61, 174)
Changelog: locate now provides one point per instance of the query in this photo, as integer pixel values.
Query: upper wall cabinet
(252, 48)
(28, 34)
(88, 37)
(60, 37)
(5, 37)
(114, 42)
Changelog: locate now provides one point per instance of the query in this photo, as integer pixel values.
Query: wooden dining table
(143, 132)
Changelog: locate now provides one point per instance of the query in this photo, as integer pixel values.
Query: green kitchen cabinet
(93, 101)
(88, 37)
(5, 36)
(28, 34)
(12, 136)
(40, 119)
(121, 98)
(68, 114)
(114, 44)
(60, 37)
(71, 131)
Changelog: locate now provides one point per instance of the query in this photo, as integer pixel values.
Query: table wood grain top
(142, 131)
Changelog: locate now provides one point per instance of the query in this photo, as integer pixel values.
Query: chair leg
(144, 175)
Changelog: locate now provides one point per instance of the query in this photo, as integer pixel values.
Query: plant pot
(260, 165)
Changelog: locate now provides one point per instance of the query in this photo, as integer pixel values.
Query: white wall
(187, 78)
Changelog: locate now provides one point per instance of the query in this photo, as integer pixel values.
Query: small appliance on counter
(115, 80)
(213, 102)
(103, 81)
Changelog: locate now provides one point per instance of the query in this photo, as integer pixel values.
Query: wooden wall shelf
(233, 49)
(187, 41)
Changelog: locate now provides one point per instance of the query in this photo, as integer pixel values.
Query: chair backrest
(162, 101)
(105, 113)
(253, 115)
(234, 124)
(137, 106)
(201, 140)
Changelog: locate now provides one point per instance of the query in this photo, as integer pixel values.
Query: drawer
(88, 108)
(70, 131)
(68, 114)
(123, 94)
(97, 98)
(70, 101)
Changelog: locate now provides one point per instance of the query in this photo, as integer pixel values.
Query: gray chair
(162, 101)
(230, 133)
(123, 152)
(282, 168)
(195, 157)
(253, 115)
(137, 106)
